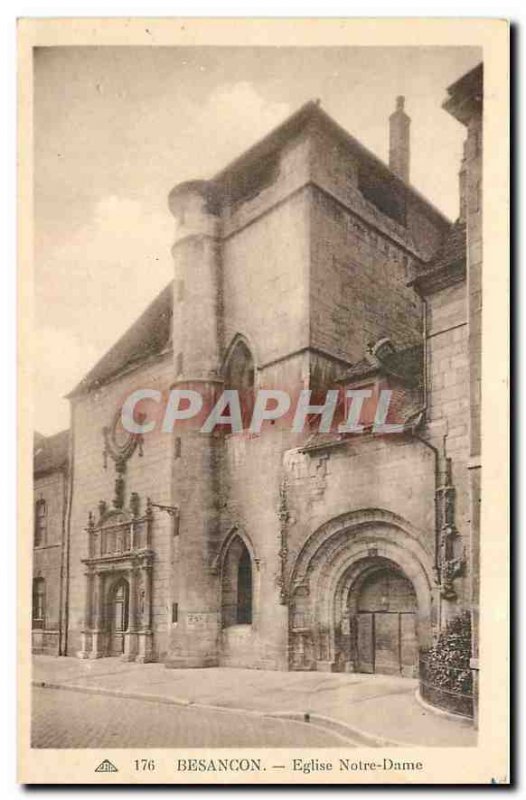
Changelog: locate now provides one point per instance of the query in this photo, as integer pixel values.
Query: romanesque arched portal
(361, 596)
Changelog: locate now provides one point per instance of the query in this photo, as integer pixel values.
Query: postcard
(263, 326)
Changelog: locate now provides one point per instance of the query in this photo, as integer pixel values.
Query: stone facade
(465, 103)
(305, 264)
(112, 481)
(50, 488)
(452, 292)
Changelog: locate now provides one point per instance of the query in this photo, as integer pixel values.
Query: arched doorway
(236, 601)
(118, 608)
(382, 608)
(363, 569)
(239, 592)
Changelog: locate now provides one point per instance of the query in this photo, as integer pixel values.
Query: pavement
(368, 710)
(67, 719)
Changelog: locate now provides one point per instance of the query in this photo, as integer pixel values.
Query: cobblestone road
(74, 719)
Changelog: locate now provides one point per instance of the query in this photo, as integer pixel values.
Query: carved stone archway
(333, 561)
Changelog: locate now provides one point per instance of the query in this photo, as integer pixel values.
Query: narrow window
(244, 590)
(40, 523)
(39, 602)
(240, 375)
(177, 447)
(175, 612)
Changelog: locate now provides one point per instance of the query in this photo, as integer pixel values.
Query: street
(63, 718)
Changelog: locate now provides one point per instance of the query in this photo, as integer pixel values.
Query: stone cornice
(434, 280)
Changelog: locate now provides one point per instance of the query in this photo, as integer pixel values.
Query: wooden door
(386, 640)
(119, 617)
(387, 643)
(365, 642)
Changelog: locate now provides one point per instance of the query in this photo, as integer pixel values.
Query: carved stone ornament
(450, 562)
(284, 517)
(135, 504)
(120, 445)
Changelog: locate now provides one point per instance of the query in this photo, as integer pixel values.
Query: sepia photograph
(256, 365)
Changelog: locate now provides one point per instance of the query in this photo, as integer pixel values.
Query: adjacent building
(50, 488)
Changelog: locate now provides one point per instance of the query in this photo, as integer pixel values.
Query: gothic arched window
(237, 594)
(244, 589)
(239, 374)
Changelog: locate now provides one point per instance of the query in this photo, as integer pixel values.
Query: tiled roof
(312, 111)
(148, 336)
(365, 368)
(450, 258)
(406, 365)
(50, 452)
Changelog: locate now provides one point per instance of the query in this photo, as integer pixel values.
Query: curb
(466, 722)
(352, 735)
(76, 687)
(356, 735)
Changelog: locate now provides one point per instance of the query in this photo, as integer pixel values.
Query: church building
(306, 263)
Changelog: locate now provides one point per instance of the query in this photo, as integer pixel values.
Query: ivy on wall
(447, 662)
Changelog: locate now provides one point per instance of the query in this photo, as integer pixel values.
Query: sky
(115, 128)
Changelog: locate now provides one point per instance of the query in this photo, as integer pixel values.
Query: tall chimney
(399, 124)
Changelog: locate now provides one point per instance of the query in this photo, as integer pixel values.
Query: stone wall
(47, 559)
(266, 270)
(360, 255)
(448, 404)
(337, 168)
(357, 286)
(393, 473)
(474, 261)
(367, 498)
(251, 481)
(149, 475)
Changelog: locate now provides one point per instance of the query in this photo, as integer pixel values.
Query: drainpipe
(67, 532)
(65, 490)
(436, 452)
(437, 455)
(424, 333)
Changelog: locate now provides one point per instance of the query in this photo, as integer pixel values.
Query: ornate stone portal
(118, 593)
(326, 619)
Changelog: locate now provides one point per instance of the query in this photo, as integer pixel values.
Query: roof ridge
(150, 327)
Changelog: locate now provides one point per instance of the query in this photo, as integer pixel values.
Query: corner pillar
(98, 634)
(130, 637)
(86, 634)
(145, 633)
